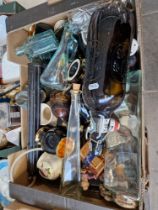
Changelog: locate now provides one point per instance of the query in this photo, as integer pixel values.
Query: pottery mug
(47, 117)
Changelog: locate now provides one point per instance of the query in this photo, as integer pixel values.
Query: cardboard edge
(20, 206)
(19, 175)
(43, 11)
(46, 200)
(50, 2)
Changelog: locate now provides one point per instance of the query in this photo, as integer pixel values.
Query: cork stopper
(76, 87)
(59, 24)
(31, 31)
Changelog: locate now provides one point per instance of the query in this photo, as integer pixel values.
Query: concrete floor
(150, 91)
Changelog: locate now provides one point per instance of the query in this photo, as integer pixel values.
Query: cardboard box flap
(19, 175)
(15, 40)
(43, 11)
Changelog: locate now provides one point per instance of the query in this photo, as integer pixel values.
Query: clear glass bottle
(38, 45)
(70, 183)
(55, 76)
(121, 173)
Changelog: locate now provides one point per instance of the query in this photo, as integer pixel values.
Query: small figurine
(84, 183)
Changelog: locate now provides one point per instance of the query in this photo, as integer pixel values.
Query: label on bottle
(134, 47)
(114, 125)
(105, 125)
(93, 86)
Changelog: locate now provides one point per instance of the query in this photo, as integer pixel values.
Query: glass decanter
(38, 45)
(55, 76)
(70, 183)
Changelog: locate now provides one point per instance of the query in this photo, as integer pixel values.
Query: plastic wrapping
(5, 199)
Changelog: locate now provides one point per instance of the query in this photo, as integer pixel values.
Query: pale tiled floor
(150, 54)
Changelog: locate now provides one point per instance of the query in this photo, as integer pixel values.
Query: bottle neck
(69, 44)
(75, 95)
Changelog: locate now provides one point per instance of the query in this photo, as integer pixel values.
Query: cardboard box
(44, 194)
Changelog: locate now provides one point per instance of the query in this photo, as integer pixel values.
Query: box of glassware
(81, 106)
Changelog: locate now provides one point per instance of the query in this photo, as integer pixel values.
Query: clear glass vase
(70, 183)
(55, 76)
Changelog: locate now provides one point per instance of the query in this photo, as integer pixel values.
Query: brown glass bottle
(108, 47)
(108, 50)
